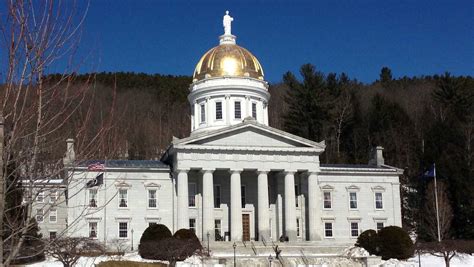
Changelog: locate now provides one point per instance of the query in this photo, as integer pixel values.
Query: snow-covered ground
(426, 260)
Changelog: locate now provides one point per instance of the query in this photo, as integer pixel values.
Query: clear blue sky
(356, 37)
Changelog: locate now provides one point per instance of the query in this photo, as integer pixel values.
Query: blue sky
(356, 37)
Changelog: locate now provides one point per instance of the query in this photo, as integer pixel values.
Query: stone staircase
(254, 253)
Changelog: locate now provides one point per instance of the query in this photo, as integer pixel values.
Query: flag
(97, 181)
(96, 167)
(431, 172)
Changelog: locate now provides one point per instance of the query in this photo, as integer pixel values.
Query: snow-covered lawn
(426, 260)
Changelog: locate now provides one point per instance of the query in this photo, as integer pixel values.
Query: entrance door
(246, 227)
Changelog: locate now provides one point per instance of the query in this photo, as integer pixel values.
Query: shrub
(369, 241)
(193, 243)
(155, 232)
(185, 234)
(394, 242)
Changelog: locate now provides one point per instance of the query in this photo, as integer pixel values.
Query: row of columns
(236, 206)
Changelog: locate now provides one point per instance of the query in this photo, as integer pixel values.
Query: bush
(395, 243)
(185, 234)
(193, 243)
(155, 232)
(369, 241)
(182, 245)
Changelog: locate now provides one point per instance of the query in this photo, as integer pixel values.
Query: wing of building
(234, 177)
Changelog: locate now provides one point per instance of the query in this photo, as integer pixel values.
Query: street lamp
(208, 250)
(270, 259)
(132, 239)
(234, 246)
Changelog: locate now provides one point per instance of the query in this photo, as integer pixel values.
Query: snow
(463, 260)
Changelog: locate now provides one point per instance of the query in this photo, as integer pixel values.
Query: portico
(254, 178)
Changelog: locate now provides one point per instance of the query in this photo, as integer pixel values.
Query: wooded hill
(418, 120)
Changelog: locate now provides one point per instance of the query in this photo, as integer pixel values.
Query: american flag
(96, 167)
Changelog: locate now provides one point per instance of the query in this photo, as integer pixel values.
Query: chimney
(376, 157)
(70, 156)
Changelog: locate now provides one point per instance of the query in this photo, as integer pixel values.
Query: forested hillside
(419, 121)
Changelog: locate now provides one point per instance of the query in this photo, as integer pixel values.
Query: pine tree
(307, 103)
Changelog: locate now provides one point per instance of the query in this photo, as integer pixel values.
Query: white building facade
(234, 178)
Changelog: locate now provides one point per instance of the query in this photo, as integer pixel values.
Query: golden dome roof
(228, 60)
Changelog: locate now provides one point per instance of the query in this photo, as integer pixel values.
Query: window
(217, 229)
(219, 110)
(379, 226)
(354, 229)
(327, 200)
(243, 194)
(123, 229)
(93, 229)
(52, 235)
(378, 201)
(192, 195)
(40, 197)
(39, 215)
(152, 198)
(237, 110)
(353, 200)
(53, 215)
(254, 110)
(93, 198)
(298, 228)
(123, 198)
(53, 196)
(217, 196)
(328, 229)
(203, 113)
(192, 225)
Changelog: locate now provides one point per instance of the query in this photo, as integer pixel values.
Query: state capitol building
(234, 178)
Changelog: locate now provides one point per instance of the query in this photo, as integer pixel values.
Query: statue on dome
(227, 21)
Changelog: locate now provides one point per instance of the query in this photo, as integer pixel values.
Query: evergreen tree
(307, 103)
(385, 76)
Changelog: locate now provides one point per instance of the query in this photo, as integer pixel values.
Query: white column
(263, 212)
(227, 109)
(265, 113)
(207, 205)
(197, 115)
(248, 108)
(290, 206)
(314, 207)
(235, 206)
(183, 216)
(208, 111)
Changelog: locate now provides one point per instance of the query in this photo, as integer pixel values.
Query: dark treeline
(419, 121)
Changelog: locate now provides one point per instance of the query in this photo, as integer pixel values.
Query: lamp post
(234, 246)
(132, 239)
(208, 250)
(270, 259)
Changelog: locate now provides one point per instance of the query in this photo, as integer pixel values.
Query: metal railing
(252, 245)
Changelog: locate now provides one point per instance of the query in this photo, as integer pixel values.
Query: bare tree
(447, 249)
(40, 111)
(444, 208)
(68, 250)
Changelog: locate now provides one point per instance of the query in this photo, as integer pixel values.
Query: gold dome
(228, 60)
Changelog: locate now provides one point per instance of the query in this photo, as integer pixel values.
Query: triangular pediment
(249, 134)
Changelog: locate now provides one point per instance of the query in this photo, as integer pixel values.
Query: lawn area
(129, 264)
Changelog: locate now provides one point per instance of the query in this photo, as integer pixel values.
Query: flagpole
(436, 200)
(105, 203)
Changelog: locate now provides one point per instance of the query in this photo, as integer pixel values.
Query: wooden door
(245, 227)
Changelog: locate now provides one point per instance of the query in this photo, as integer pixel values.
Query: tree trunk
(446, 258)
